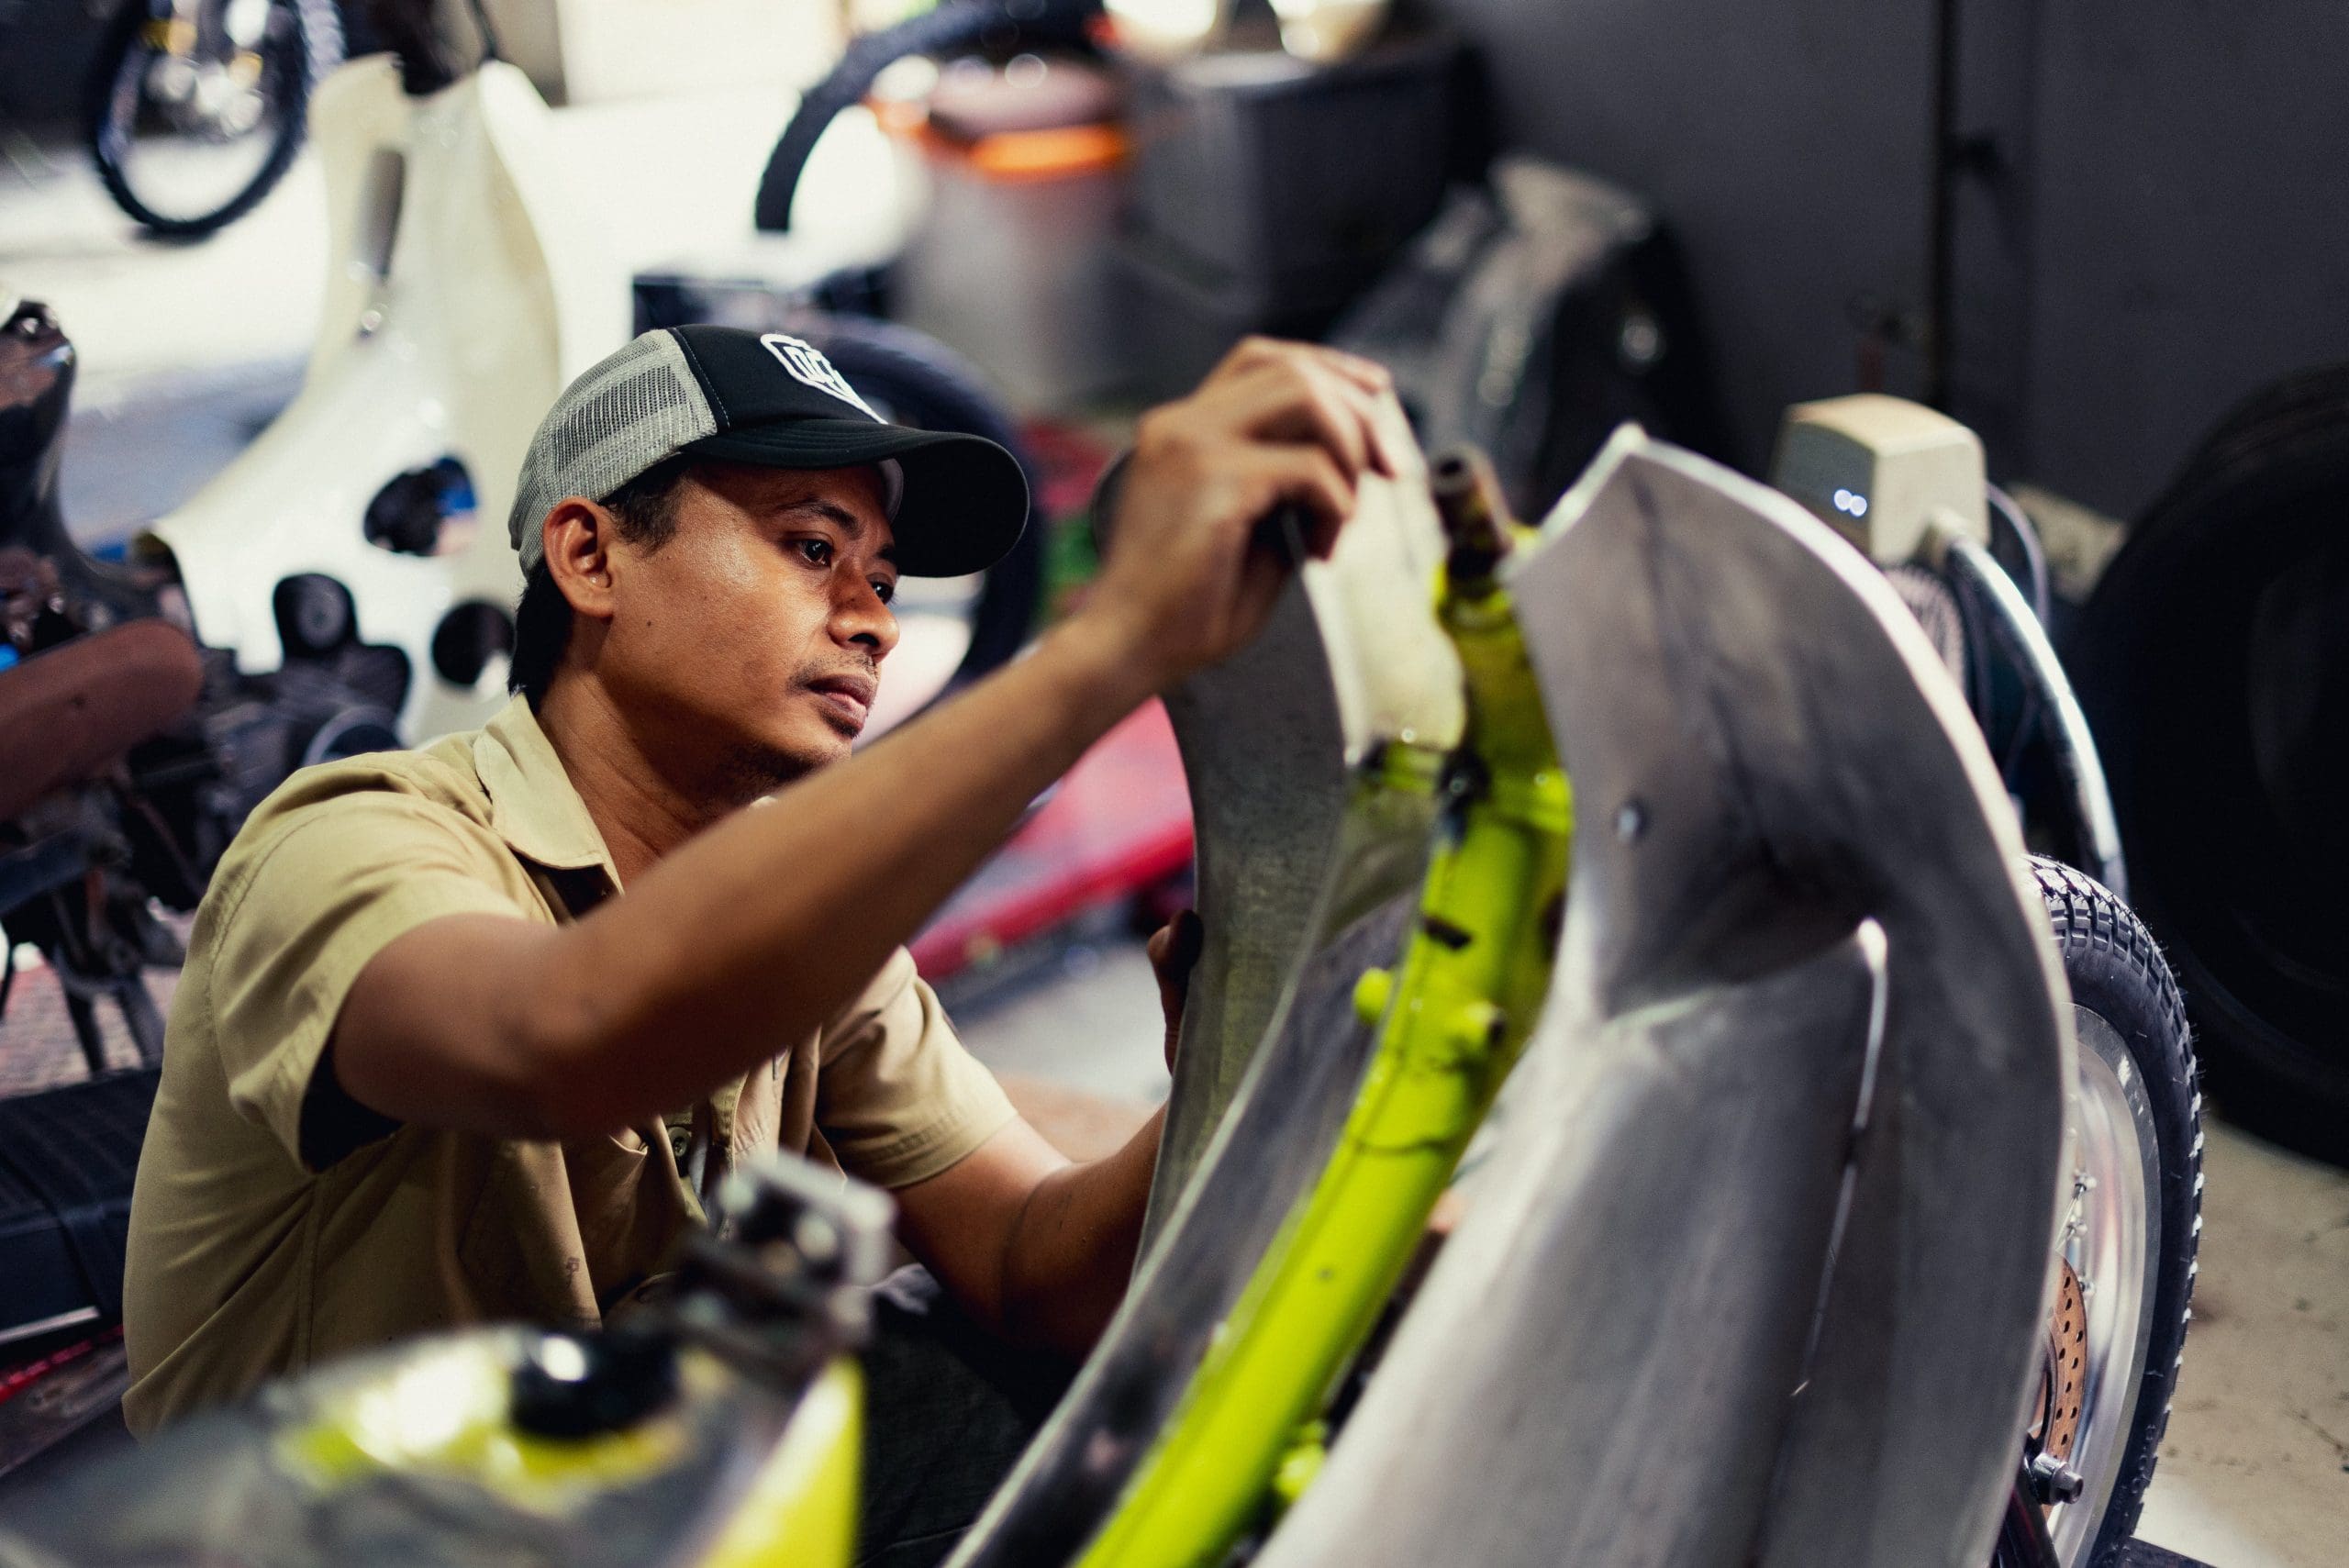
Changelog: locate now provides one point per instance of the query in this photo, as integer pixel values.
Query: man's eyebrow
(851, 524)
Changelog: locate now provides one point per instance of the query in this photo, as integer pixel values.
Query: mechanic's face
(752, 641)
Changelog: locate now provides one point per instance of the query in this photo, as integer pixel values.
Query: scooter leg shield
(1308, 872)
(1803, 1046)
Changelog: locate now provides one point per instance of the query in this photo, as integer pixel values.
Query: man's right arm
(757, 931)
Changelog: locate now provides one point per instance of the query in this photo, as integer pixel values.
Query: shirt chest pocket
(562, 1230)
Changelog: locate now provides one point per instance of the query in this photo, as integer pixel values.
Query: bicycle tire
(926, 384)
(2115, 971)
(318, 49)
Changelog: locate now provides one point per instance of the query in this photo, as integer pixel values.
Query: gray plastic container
(1288, 184)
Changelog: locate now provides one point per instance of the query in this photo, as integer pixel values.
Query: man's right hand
(1191, 573)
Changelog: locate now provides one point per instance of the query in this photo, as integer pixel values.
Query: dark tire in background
(304, 44)
(2135, 1222)
(2213, 662)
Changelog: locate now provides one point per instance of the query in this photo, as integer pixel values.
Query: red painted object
(15, 1379)
(1119, 824)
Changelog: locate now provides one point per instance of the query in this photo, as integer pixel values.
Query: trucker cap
(956, 502)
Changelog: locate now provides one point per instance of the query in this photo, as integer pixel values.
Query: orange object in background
(1026, 167)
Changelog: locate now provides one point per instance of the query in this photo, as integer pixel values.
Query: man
(427, 1067)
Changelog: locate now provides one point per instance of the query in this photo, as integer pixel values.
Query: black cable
(2004, 510)
(2019, 525)
(489, 50)
(953, 25)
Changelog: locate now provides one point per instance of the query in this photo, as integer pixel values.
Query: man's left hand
(1173, 951)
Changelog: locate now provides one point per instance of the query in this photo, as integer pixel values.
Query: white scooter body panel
(452, 339)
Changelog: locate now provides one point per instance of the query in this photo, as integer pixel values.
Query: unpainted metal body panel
(1288, 851)
(1307, 878)
(1774, 778)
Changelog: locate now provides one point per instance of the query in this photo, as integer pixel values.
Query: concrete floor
(2255, 1470)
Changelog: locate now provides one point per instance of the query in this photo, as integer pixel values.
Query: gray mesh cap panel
(622, 416)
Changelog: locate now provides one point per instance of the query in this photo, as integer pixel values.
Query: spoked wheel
(197, 109)
(2124, 1263)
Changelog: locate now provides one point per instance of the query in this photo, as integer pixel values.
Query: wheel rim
(2110, 1247)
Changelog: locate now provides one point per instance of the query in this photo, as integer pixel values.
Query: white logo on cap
(806, 364)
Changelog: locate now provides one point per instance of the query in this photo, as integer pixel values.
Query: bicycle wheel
(197, 111)
(2126, 1255)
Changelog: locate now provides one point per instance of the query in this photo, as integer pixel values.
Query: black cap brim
(965, 500)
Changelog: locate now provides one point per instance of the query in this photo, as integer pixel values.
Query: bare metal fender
(1804, 1046)
(1286, 853)
(1304, 881)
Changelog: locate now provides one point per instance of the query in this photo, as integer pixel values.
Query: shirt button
(680, 1142)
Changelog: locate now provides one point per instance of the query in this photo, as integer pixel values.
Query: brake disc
(2067, 1346)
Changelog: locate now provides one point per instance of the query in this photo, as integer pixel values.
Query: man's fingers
(1368, 375)
(1174, 953)
(1175, 950)
(1297, 401)
(1309, 478)
(1280, 391)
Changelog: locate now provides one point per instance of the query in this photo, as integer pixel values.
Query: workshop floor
(187, 350)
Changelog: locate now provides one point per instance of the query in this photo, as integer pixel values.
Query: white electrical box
(1883, 470)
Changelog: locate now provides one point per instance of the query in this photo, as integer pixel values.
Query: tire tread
(2108, 952)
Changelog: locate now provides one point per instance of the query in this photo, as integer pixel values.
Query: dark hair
(646, 510)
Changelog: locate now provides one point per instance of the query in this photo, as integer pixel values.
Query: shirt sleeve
(898, 1096)
(327, 890)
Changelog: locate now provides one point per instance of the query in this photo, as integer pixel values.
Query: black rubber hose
(1975, 572)
(954, 25)
(2004, 510)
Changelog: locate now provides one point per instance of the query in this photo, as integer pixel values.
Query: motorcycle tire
(916, 380)
(294, 63)
(2213, 662)
(2138, 1134)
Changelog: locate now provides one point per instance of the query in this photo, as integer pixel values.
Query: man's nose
(862, 617)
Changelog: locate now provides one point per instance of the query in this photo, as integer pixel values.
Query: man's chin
(763, 765)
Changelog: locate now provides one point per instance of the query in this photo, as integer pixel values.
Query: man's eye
(885, 588)
(818, 552)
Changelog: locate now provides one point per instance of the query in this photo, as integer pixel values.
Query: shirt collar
(532, 804)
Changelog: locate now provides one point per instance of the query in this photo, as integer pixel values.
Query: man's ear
(578, 535)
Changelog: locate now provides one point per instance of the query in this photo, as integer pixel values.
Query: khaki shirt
(245, 1265)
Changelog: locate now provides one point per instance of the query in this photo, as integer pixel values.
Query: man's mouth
(851, 696)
